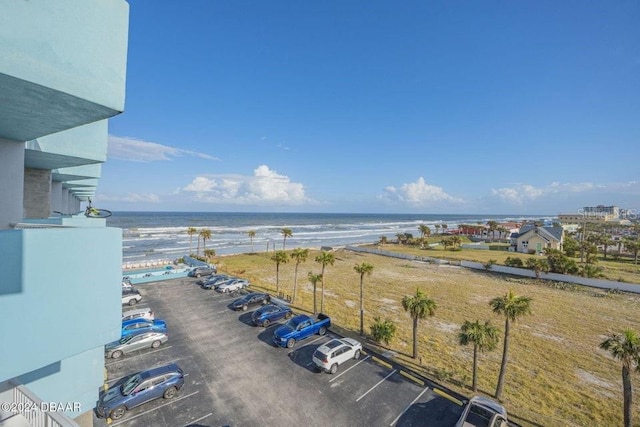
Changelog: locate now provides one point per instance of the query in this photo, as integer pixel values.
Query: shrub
(487, 266)
(513, 262)
(383, 330)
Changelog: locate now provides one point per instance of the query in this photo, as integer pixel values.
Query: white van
(138, 313)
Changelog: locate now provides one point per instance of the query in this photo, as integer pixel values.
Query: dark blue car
(142, 325)
(140, 388)
(270, 313)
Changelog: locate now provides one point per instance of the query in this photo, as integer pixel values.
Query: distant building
(594, 214)
(535, 239)
(62, 75)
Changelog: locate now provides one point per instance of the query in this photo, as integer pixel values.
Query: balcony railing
(31, 408)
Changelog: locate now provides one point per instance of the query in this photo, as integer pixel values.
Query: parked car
(212, 278)
(131, 297)
(126, 285)
(264, 316)
(140, 388)
(481, 411)
(299, 328)
(142, 325)
(330, 355)
(232, 285)
(133, 342)
(138, 313)
(250, 299)
(202, 271)
(215, 282)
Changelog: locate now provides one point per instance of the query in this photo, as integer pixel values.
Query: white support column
(11, 182)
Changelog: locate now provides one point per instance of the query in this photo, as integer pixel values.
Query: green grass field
(556, 374)
(622, 270)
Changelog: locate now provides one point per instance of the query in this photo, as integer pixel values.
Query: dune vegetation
(556, 374)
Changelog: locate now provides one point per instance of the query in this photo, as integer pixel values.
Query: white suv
(337, 351)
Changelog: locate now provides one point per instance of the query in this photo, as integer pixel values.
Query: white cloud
(137, 150)
(264, 187)
(520, 194)
(417, 193)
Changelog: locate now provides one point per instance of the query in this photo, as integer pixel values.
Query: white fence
(585, 281)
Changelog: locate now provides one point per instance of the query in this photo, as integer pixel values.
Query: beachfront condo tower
(62, 76)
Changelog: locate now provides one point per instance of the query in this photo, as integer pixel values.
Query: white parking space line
(153, 409)
(317, 339)
(347, 370)
(408, 406)
(379, 382)
(199, 419)
(141, 354)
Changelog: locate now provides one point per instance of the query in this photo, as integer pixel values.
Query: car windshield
(126, 339)
(130, 384)
(293, 323)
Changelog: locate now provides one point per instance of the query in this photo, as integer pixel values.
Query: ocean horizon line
(336, 213)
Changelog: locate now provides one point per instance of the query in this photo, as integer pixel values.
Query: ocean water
(163, 235)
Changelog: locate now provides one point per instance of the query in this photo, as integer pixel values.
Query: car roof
(138, 320)
(172, 367)
(330, 345)
(136, 311)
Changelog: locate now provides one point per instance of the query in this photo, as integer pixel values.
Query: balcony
(22, 408)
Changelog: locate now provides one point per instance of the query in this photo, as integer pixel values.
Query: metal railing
(30, 406)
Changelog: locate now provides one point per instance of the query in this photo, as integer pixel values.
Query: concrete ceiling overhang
(77, 173)
(29, 110)
(43, 160)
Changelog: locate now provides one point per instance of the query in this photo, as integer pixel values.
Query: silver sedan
(135, 342)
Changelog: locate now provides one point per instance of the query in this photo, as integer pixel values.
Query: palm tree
(437, 226)
(484, 337)
(537, 265)
(383, 240)
(493, 226)
(511, 306)
(286, 232)
(444, 228)
(314, 279)
(625, 347)
(280, 257)
(362, 269)
(324, 258)
(209, 253)
(424, 230)
(300, 255)
(191, 231)
(204, 234)
(251, 234)
(418, 306)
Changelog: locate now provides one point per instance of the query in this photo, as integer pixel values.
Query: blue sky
(528, 107)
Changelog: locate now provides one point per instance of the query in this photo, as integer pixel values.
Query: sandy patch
(548, 336)
(447, 327)
(589, 378)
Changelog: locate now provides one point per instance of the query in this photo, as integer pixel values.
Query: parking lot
(236, 376)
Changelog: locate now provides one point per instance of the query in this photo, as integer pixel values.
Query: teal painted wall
(39, 43)
(75, 380)
(87, 144)
(60, 294)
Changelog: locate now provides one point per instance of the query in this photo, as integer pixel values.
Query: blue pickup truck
(299, 328)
